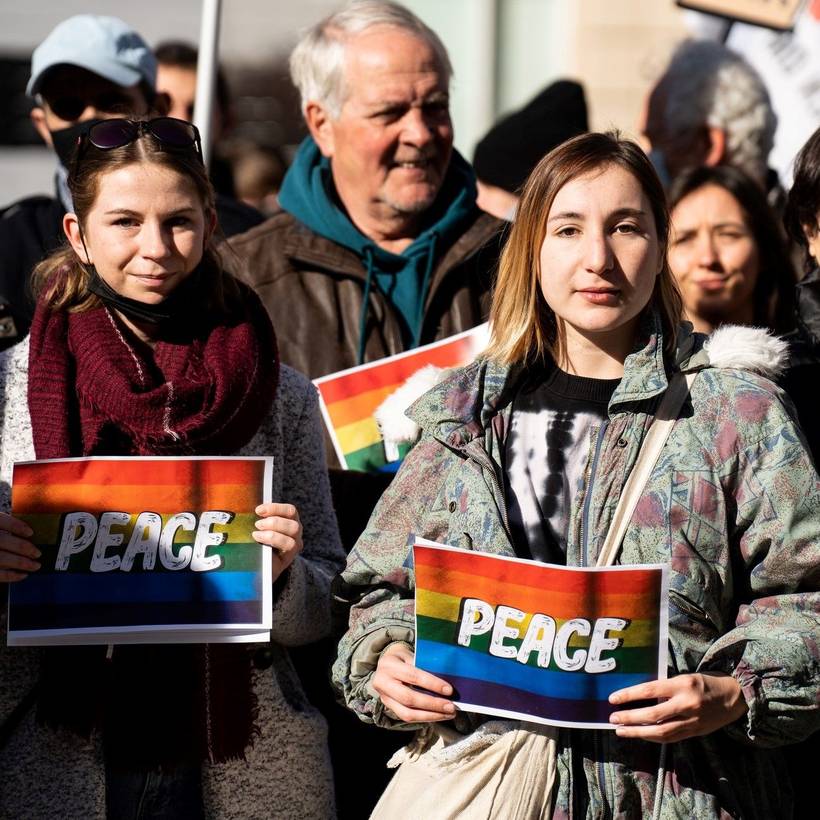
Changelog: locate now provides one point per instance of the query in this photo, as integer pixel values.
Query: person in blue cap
(89, 68)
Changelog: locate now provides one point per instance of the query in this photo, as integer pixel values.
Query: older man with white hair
(379, 246)
(710, 107)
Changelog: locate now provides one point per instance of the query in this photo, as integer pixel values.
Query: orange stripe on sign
(530, 573)
(142, 472)
(356, 408)
(130, 498)
(529, 599)
(454, 354)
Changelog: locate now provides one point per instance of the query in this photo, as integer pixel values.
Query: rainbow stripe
(59, 604)
(483, 682)
(349, 398)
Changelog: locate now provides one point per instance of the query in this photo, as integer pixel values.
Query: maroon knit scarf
(204, 389)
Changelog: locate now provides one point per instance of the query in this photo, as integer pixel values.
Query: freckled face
(600, 256)
(145, 232)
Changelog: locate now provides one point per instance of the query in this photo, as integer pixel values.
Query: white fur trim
(394, 425)
(747, 348)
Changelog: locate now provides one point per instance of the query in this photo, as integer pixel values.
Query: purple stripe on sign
(470, 690)
(79, 616)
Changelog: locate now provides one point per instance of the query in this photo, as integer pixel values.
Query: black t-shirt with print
(546, 452)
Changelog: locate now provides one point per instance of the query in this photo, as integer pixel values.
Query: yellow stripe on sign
(435, 605)
(358, 435)
(448, 607)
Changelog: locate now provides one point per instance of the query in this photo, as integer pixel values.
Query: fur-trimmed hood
(736, 347)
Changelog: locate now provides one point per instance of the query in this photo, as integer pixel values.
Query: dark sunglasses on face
(170, 132)
(71, 108)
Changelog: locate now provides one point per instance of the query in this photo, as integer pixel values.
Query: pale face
(391, 144)
(599, 259)
(714, 257)
(145, 232)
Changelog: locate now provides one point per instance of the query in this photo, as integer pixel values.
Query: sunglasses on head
(170, 132)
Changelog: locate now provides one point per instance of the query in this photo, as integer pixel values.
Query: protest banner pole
(206, 73)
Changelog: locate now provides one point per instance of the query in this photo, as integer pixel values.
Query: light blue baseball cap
(104, 45)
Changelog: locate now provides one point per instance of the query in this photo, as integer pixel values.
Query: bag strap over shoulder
(659, 431)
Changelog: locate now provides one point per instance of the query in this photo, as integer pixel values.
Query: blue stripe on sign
(146, 614)
(122, 587)
(444, 659)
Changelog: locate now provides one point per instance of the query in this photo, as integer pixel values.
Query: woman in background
(727, 252)
(142, 345)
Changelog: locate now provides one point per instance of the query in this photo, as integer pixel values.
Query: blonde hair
(523, 327)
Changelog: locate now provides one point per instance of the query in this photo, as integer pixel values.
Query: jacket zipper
(596, 743)
(588, 497)
(501, 501)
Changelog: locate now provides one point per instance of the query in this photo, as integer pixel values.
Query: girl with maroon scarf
(142, 345)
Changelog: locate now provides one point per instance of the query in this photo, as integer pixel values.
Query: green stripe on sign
(631, 659)
(368, 458)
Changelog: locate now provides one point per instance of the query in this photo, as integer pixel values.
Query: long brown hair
(523, 326)
(69, 290)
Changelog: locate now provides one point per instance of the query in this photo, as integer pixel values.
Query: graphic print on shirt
(547, 450)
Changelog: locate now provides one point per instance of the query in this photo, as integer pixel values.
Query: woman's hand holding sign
(279, 527)
(397, 681)
(691, 705)
(17, 554)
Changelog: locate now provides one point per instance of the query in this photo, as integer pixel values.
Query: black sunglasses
(70, 108)
(170, 132)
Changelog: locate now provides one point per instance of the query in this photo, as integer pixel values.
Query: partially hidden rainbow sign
(142, 550)
(350, 397)
(534, 641)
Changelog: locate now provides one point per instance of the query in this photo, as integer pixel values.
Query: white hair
(316, 64)
(707, 83)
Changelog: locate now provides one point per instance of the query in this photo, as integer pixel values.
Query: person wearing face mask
(88, 69)
(142, 345)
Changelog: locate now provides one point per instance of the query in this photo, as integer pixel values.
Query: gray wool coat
(48, 774)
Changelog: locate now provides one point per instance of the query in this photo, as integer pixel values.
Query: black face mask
(183, 302)
(65, 140)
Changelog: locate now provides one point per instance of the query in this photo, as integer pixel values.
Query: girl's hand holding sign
(18, 556)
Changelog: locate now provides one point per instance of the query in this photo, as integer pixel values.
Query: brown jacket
(313, 291)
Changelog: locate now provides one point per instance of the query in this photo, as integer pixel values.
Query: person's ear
(162, 103)
(716, 150)
(38, 120)
(210, 226)
(320, 125)
(71, 228)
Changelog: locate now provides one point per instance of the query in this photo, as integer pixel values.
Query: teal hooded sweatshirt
(308, 193)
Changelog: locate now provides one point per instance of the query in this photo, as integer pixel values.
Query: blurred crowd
(377, 237)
